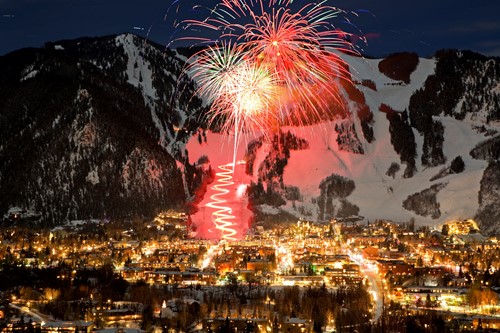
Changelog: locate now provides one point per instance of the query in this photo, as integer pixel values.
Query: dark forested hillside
(81, 139)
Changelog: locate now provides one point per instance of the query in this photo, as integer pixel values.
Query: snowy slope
(376, 194)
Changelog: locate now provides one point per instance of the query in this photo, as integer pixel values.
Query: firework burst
(242, 93)
(298, 46)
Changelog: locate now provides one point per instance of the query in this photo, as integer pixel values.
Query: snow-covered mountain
(431, 153)
(90, 128)
(107, 127)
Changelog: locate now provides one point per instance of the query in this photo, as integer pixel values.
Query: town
(344, 275)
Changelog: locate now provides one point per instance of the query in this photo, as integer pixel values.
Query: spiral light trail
(223, 217)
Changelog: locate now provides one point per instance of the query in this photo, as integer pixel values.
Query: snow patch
(93, 177)
(29, 73)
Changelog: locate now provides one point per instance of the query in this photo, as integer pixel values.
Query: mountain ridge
(109, 127)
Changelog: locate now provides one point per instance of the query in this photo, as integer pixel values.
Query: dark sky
(391, 25)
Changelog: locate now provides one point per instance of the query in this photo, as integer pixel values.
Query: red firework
(301, 47)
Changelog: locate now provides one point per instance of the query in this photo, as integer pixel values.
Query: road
(376, 288)
(31, 313)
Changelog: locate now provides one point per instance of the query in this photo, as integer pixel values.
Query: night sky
(389, 25)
